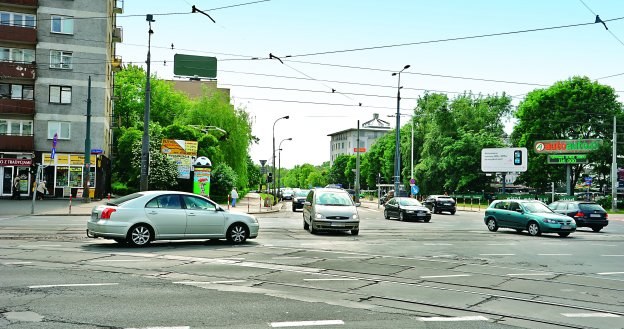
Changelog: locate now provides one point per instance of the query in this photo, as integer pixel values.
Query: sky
(301, 86)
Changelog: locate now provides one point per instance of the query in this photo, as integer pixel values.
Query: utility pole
(86, 177)
(357, 165)
(146, 115)
(614, 169)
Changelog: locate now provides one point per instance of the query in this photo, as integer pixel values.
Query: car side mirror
(307, 203)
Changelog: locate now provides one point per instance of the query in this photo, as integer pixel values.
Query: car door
(515, 215)
(307, 206)
(502, 213)
(392, 207)
(202, 218)
(167, 216)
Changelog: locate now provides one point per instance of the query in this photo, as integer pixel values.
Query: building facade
(48, 51)
(345, 142)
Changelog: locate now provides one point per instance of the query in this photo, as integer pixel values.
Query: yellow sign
(62, 159)
(76, 159)
(178, 146)
(47, 160)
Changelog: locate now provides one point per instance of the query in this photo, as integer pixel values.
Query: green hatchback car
(531, 215)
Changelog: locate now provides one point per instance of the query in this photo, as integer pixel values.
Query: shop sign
(567, 146)
(567, 158)
(15, 162)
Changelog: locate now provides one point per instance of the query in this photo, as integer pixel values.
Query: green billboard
(191, 66)
(567, 159)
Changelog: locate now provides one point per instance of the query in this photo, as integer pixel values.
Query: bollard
(470, 203)
(247, 204)
(108, 196)
(228, 200)
(70, 198)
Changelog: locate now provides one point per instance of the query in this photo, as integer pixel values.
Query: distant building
(196, 89)
(345, 141)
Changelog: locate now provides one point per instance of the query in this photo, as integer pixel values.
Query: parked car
(140, 218)
(406, 209)
(439, 203)
(585, 213)
(287, 194)
(330, 209)
(531, 215)
(299, 199)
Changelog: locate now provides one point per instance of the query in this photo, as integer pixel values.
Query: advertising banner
(178, 146)
(184, 164)
(567, 146)
(504, 159)
(201, 181)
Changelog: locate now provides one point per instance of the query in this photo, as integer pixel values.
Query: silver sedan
(139, 218)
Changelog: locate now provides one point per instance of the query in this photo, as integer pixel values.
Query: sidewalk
(48, 207)
(252, 204)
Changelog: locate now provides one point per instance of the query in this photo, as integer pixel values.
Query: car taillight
(606, 215)
(106, 213)
(579, 214)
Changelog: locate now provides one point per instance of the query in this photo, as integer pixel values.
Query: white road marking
(438, 244)
(455, 319)
(527, 274)
(442, 256)
(497, 254)
(182, 327)
(443, 276)
(334, 279)
(16, 263)
(590, 315)
(287, 257)
(210, 282)
(47, 245)
(554, 254)
(603, 245)
(501, 244)
(354, 257)
(612, 255)
(609, 273)
(118, 260)
(72, 285)
(305, 323)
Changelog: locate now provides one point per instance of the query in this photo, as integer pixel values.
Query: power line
(450, 39)
(319, 103)
(598, 20)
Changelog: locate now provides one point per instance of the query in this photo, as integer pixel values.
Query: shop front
(14, 165)
(64, 175)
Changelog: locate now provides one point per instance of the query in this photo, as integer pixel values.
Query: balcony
(21, 3)
(119, 6)
(17, 106)
(17, 70)
(18, 34)
(116, 63)
(117, 34)
(17, 143)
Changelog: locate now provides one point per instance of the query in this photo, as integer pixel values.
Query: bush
(120, 188)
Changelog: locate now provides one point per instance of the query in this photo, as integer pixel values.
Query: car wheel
(453, 212)
(519, 230)
(293, 209)
(401, 218)
(355, 232)
(305, 225)
(564, 234)
(237, 233)
(386, 216)
(534, 229)
(120, 241)
(139, 235)
(312, 229)
(491, 225)
(597, 228)
(427, 220)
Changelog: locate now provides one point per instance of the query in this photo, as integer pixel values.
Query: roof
(386, 130)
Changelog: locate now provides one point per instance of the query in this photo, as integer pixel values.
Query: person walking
(42, 190)
(234, 196)
(16, 188)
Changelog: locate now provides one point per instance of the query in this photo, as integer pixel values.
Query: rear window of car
(590, 207)
(123, 199)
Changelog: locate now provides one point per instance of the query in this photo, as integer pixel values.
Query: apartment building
(48, 51)
(346, 141)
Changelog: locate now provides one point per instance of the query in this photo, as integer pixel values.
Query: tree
(223, 179)
(338, 169)
(577, 108)
(163, 172)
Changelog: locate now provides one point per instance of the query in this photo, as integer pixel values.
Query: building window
(17, 55)
(16, 91)
(16, 127)
(62, 24)
(62, 129)
(60, 94)
(17, 19)
(60, 59)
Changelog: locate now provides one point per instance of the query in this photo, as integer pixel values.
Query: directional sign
(97, 151)
(588, 180)
(53, 153)
(54, 140)
(415, 189)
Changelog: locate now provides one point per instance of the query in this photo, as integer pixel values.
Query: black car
(439, 203)
(298, 199)
(585, 213)
(406, 209)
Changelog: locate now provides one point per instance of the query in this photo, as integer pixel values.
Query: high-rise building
(48, 51)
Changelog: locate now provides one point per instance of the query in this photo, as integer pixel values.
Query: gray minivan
(330, 209)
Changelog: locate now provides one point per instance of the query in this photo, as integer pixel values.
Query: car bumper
(556, 228)
(417, 216)
(333, 225)
(106, 229)
(583, 222)
(253, 230)
(297, 205)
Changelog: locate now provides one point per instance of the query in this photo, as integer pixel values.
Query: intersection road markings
(590, 315)
(306, 323)
(72, 285)
(454, 319)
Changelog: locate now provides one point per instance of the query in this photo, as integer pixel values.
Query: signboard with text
(567, 146)
(567, 159)
(15, 162)
(510, 159)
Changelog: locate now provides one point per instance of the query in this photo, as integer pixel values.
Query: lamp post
(397, 149)
(279, 161)
(146, 115)
(278, 119)
(412, 146)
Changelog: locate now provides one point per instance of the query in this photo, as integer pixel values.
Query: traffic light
(269, 177)
(518, 158)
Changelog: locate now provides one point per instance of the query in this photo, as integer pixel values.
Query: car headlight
(319, 216)
(550, 221)
(254, 219)
(355, 216)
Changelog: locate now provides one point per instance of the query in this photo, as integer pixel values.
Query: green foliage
(337, 173)
(163, 172)
(306, 176)
(222, 180)
(120, 188)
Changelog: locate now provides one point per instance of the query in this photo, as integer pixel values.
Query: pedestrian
(16, 188)
(234, 196)
(42, 190)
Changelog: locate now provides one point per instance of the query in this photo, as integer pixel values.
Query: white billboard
(510, 159)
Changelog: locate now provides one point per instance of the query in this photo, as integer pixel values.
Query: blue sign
(97, 151)
(53, 153)
(588, 180)
(415, 190)
(54, 140)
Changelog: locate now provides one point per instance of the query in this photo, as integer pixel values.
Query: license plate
(420, 214)
(566, 227)
(447, 204)
(595, 215)
(338, 224)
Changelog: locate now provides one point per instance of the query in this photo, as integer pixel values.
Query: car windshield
(590, 207)
(409, 202)
(536, 207)
(123, 199)
(333, 199)
(302, 193)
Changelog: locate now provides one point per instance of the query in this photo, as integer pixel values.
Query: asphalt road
(449, 273)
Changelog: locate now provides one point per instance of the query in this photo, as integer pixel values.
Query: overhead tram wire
(451, 39)
(598, 20)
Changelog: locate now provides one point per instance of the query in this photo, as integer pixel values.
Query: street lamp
(146, 115)
(412, 147)
(397, 149)
(279, 161)
(278, 119)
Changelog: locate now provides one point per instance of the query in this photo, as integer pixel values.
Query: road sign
(97, 151)
(263, 162)
(511, 159)
(54, 140)
(412, 182)
(567, 158)
(53, 153)
(588, 180)
(415, 189)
